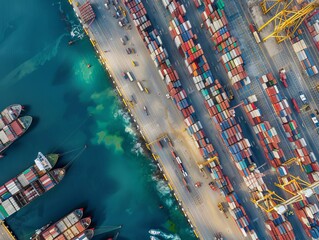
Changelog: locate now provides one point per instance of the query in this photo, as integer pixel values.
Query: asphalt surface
(200, 204)
(4, 233)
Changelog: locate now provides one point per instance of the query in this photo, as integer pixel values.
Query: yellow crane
(268, 5)
(203, 164)
(148, 145)
(272, 202)
(287, 21)
(293, 160)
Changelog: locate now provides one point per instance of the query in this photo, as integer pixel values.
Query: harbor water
(74, 106)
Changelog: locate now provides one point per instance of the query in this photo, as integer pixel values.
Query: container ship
(12, 131)
(69, 227)
(9, 114)
(30, 184)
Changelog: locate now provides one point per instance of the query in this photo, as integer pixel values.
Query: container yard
(269, 145)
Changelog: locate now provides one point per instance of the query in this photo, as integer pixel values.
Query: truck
(254, 32)
(295, 105)
(222, 209)
(283, 77)
(314, 120)
(146, 110)
(130, 76)
(140, 86)
(303, 98)
(212, 186)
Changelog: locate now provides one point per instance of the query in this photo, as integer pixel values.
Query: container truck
(314, 120)
(283, 77)
(254, 32)
(140, 86)
(130, 76)
(295, 104)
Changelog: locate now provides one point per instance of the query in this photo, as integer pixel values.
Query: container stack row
(67, 228)
(19, 191)
(198, 3)
(180, 164)
(239, 214)
(269, 140)
(216, 101)
(280, 105)
(278, 227)
(215, 21)
(175, 8)
(11, 132)
(266, 134)
(313, 27)
(7, 116)
(86, 12)
(303, 53)
(170, 76)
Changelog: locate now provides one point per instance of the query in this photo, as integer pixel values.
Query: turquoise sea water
(75, 106)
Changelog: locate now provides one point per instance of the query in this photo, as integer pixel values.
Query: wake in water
(137, 148)
(76, 30)
(158, 234)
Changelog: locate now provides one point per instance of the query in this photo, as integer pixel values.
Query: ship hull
(9, 114)
(14, 131)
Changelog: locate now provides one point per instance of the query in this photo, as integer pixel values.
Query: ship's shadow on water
(35, 122)
(25, 109)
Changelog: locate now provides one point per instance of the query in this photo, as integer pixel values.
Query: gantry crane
(304, 189)
(203, 164)
(148, 145)
(268, 202)
(268, 5)
(294, 160)
(273, 202)
(287, 21)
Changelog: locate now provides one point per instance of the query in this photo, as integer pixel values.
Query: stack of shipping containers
(303, 53)
(30, 184)
(217, 104)
(215, 21)
(313, 27)
(179, 96)
(306, 212)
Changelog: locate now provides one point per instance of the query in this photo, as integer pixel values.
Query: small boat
(70, 42)
(154, 232)
(88, 66)
(154, 238)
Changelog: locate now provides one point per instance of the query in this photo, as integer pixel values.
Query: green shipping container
(3, 213)
(308, 168)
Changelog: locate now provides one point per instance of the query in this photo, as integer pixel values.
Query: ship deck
(5, 233)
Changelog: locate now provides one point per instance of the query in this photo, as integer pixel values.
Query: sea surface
(74, 106)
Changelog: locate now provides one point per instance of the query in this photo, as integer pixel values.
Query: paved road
(200, 204)
(4, 232)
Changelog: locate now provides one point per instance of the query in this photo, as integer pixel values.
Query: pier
(5, 233)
